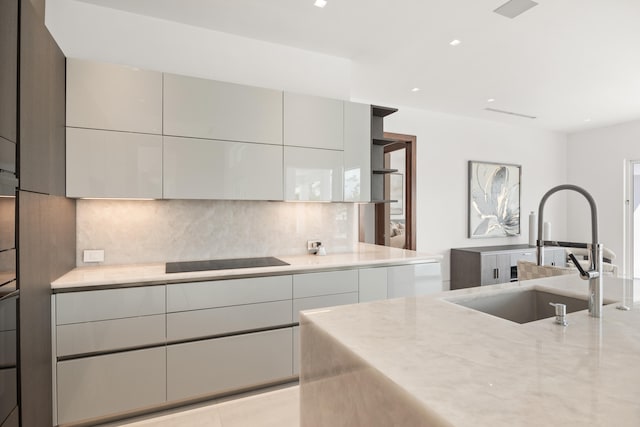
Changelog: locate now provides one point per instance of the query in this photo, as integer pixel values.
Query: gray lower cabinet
(489, 265)
(101, 385)
(495, 268)
(220, 364)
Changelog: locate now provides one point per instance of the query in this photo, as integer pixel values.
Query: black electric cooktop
(222, 264)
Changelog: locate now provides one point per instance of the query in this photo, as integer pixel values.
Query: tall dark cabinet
(32, 149)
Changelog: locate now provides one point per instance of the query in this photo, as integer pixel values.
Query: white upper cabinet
(314, 122)
(210, 169)
(113, 164)
(210, 109)
(113, 97)
(312, 174)
(357, 152)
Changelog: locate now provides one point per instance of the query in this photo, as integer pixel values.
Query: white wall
(92, 32)
(445, 143)
(444, 146)
(598, 161)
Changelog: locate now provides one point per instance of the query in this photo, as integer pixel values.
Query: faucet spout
(594, 274)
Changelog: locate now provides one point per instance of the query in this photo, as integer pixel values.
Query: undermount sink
(521, 306)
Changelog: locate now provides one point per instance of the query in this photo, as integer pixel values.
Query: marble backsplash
(144, 231)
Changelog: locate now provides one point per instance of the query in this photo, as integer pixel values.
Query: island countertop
(144, 274)
(428, 361)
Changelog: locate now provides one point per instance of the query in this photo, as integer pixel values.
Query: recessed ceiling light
(587, 120)
(455, 42)
(490, 100)
(320, 3)
(415, 89)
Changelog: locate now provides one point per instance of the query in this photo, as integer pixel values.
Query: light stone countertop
(82, 278)
(454, 366)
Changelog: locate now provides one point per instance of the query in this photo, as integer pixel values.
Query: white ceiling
(573, 64)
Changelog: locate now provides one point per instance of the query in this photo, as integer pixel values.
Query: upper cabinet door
(209, 109)
(210, 169)
(8, 69)
(314, 122)
(357, 152)
(313, 175)
(113, 164)
(113, 97)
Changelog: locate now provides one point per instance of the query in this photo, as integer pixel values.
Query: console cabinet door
(101, 385)
(223, 364)
(357, 152)
(200, 108)
(313, 175)
(210, 169)
(113, 164)
(313, 122)
(496, 268)
(113, 97)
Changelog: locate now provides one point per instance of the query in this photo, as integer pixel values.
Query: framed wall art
(494, 199)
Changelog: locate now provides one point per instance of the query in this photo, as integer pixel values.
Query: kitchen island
(427, 361)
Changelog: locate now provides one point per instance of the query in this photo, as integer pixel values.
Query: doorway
(395, 222)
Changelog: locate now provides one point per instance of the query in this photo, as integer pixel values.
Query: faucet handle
(586, 275)
(561, 313)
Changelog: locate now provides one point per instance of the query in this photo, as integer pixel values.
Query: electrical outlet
(93, 255)
(313, 245)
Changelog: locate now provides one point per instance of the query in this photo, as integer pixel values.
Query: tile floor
(279, 408)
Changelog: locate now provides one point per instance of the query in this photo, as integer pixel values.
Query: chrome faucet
(594, 273)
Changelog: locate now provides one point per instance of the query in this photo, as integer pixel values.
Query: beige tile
(274, 409)
(278, 408)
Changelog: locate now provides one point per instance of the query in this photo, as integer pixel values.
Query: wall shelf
(383, 141)
(379, 111)
(384, 171)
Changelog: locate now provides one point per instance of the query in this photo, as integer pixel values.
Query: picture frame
(493, 199)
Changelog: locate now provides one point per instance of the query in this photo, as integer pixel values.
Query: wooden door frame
(408, 142)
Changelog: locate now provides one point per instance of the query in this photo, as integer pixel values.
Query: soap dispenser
(321, 250)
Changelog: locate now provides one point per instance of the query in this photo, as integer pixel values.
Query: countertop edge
(153, 274)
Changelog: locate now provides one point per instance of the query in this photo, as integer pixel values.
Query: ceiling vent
(511, 113)
(513, 8)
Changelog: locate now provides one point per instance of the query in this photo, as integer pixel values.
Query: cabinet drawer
(109, 96)
(8, 348)
(217, 321)
(372, 284)
(8, 391)
(221, 293)
(101, 385)
(88, 306)
(313, 175)
(92, 154)
(524, 256)
(208, 169)
(221, 364)
(202, 108)
(325, 283)
(79, 338)
(312, 121)
(322, 301)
